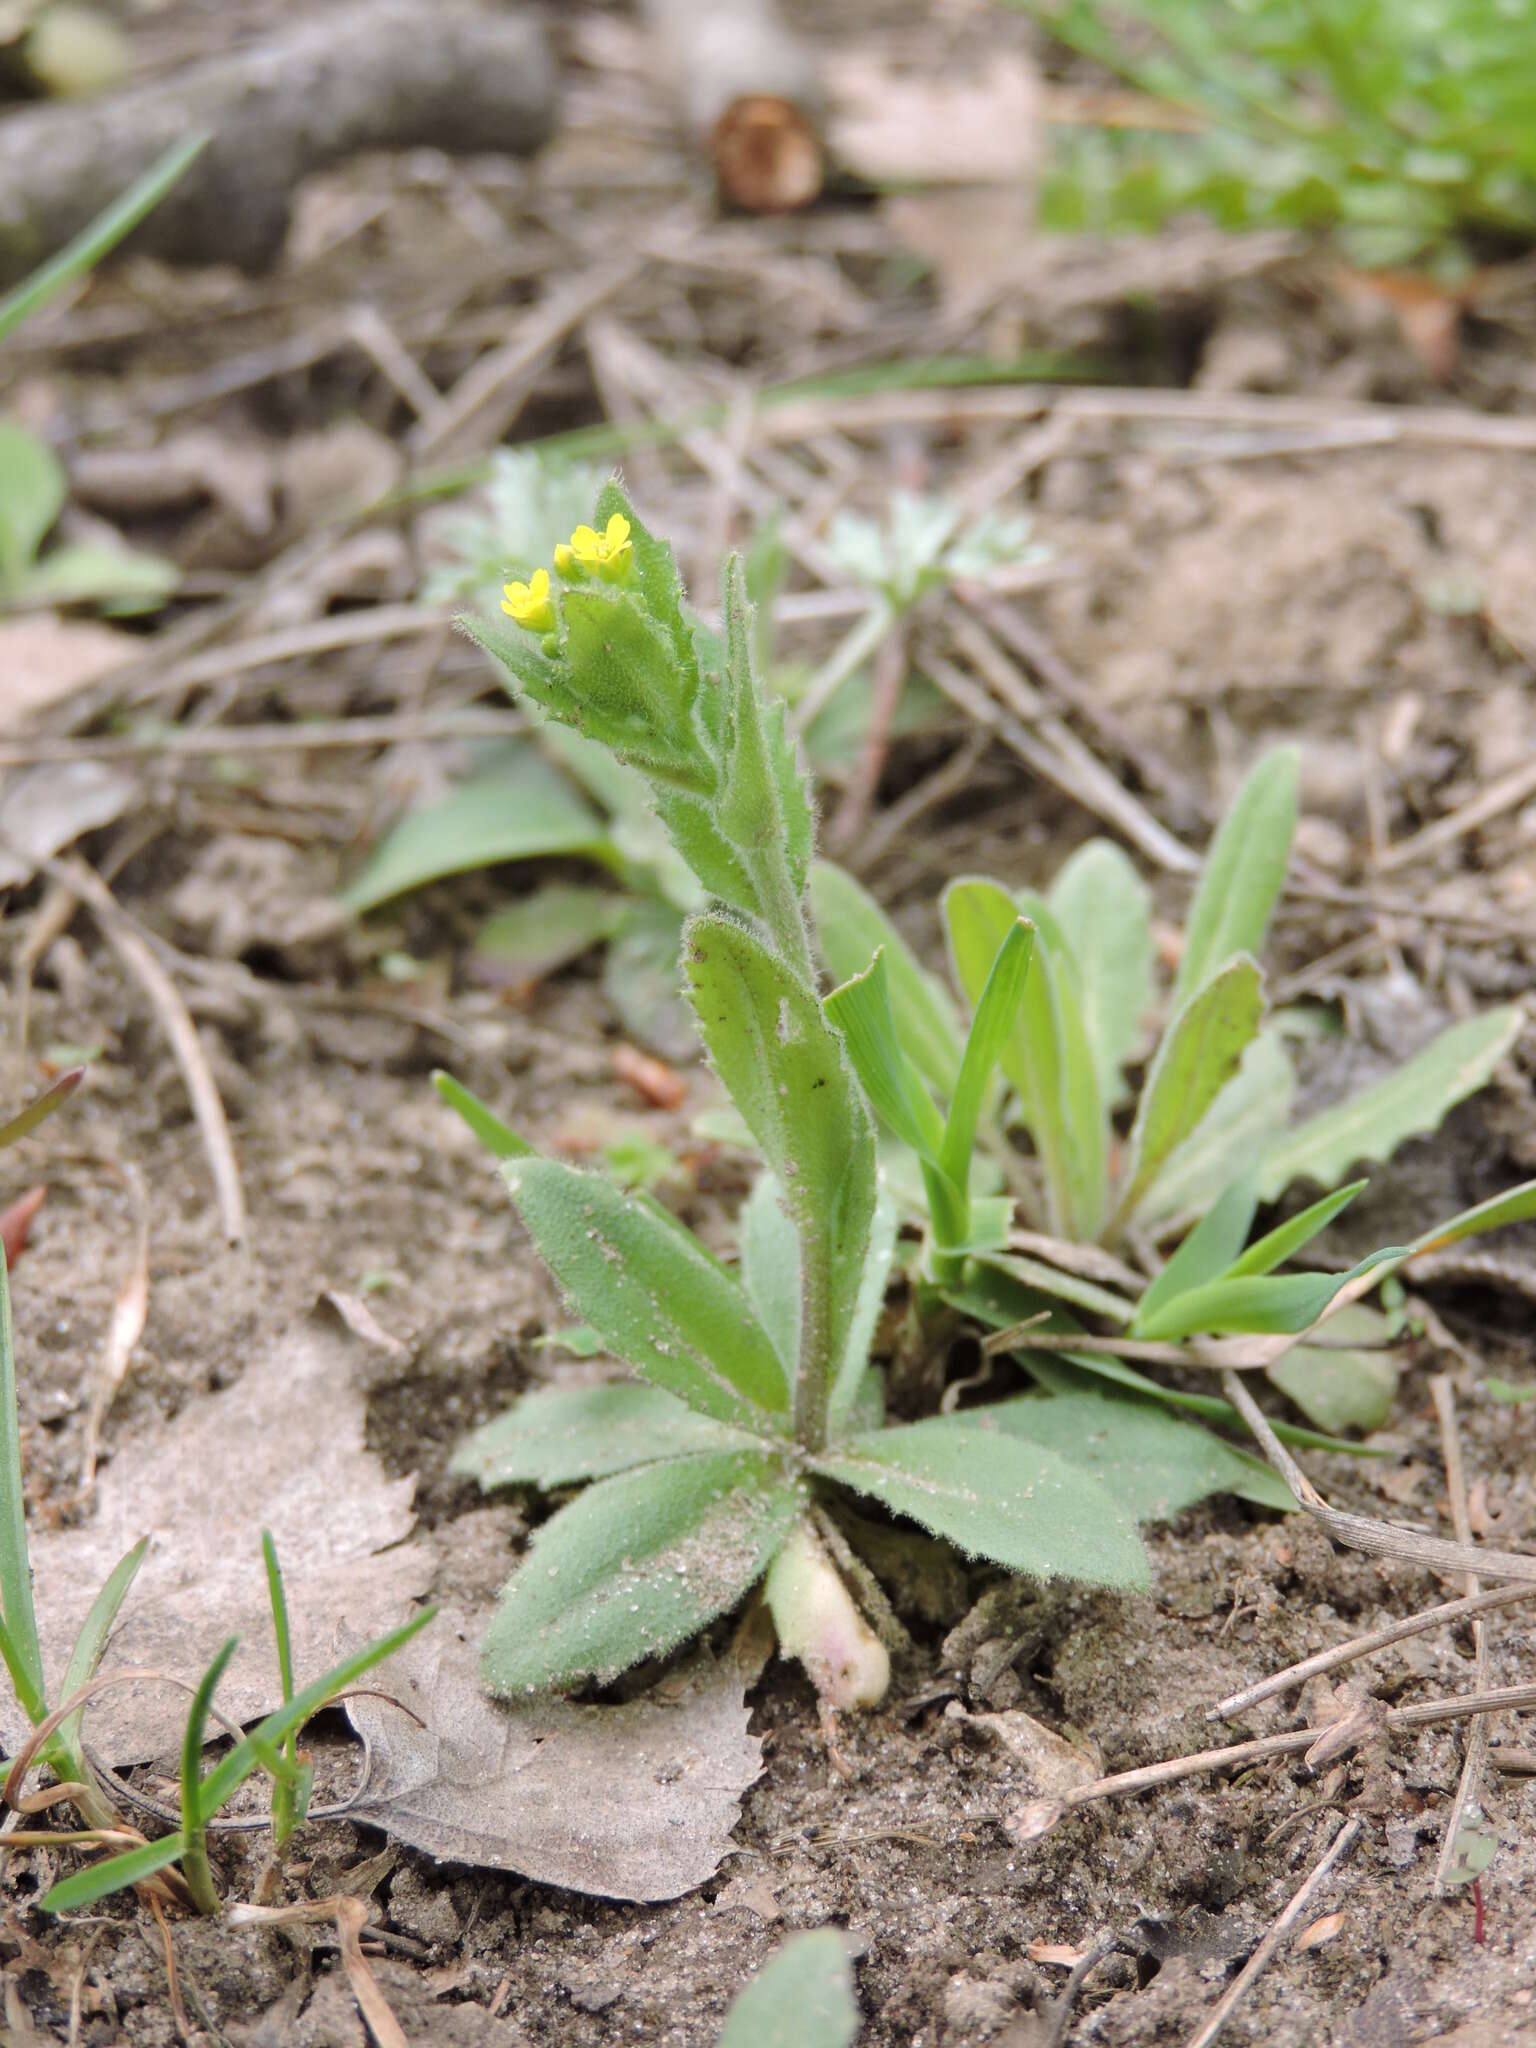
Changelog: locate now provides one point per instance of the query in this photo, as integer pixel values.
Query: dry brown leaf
(282, 1449)
(1319, 1932)
(43, 657)
(630, 1802)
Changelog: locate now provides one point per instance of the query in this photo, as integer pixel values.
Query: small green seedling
(1406, 131)
(760, 1409)
(802, 1997)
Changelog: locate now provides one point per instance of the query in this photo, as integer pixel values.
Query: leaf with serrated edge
(784, 1068)
(558, 1435)
(1198, 1056)
(852, 928)
(1373, 1122)
(636, 1565)
(1154, 1463)
(801, 1998)
(1244, 872)
(991, 1496)
(652, 1292)
(1105, 910)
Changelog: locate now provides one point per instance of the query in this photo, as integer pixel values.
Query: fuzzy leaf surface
(1244, 872)
(558, 1435)
(763, 805)
(637, 1564)
(852, 928)
(1154, 1463)
(801, 1998)
(1374, 1122)
(652, 1292)
(992, 1496)
(784, 1068)
(1198, 1056)
(1104, 909)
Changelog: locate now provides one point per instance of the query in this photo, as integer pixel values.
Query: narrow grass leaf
(1244, 872)
(1515, 1205)
(557, 1436)
(653, 1293)
(992, 1496)
(637, 1564)
(520, 808)
(784, 1068)
(1286, 1239)
(1206, 1253)
(92, 1639)
(497, 1137)
(861, 1011)
(1060, 1286)
(852, 928)
(991, 1028)
(801, 1998)
(1198, 1056)
(23, 1657)
(98, 1880)
(1104, 909)
(27, 1120)
(1256, 1305)
(1154, 1463)
(1409, 1101)
(32, 493)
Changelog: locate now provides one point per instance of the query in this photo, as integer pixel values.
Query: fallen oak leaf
(631, 1802)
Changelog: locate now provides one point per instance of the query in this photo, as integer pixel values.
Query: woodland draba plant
(759, 1407)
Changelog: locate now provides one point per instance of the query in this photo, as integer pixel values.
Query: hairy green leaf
(801, 1998)
(556, 1436)
(637, 1564)
(764, 804)
(852, 928)
(1151, 1461)
(653, 1293)
(635, 696)
(995, 1497)
(1104, 909)
(1372, 1123)
(1047, 1056)
(1244, 872)
(784, 1067)
(1238, 1128)
(517, 809)
(1198, 1056)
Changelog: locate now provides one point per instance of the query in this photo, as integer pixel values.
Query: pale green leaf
(1047, 1056)
(1373, 1122)
(852, 928)
(1348, 1383)
(1515, 1205)
(993, 1496)
(1286, 1239)
(32, 492)
(801, 1998)
(1105, 911)
(650, 1289)
(643, 979)
(1206, 1253)
(784, 1067)
(770, 1267)
(861, 1010)
(513, 811)
(23, 1655)
(1060, 1286)
(539, 933)
(1152, 1462)
(991, 1028)
(497, 1137)
(1244, 872)
(1270, 1304)
(636, 1565)
(1198, 1056)
(852, 1377)
(764, 800)
(1238, 1128)
(92, 1639)
(558, 1435)
(92, 573)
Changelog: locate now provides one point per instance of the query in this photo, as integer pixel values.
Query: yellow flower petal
(528, 603)
(616, 533)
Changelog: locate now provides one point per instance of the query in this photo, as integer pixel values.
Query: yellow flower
(565, 560)
(608, 554)
(528, 603)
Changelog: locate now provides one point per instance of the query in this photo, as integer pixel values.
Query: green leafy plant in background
(1407, 130)
(33, 487)
(758, 1410)
(802, 1997)
(1209, 1136)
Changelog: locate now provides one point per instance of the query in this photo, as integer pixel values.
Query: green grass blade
(991, 1028)
(1515, 1205)
(497, 1137)
(101, 235)
(283, 1800)
(861, 1012)
(1244, 872)
(1286, 1239)
(92, 1639)
(23, 1657)
(1208, 1251)
(1274, 1304)
(851, 928)
(194, 1841)
(27, 1120)
(100, 1879)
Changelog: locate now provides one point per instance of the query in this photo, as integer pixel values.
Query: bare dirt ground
(1239, 552)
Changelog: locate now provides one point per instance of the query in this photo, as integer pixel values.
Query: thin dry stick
(1476, 1756)
(1364, 1646)
(948, 779)
(129, 1313)
(1258, 1962)
(173, 1985)
(1507, 794)
(351, 1918)
(138, 957)
(299, 736)
(1363, 1532)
